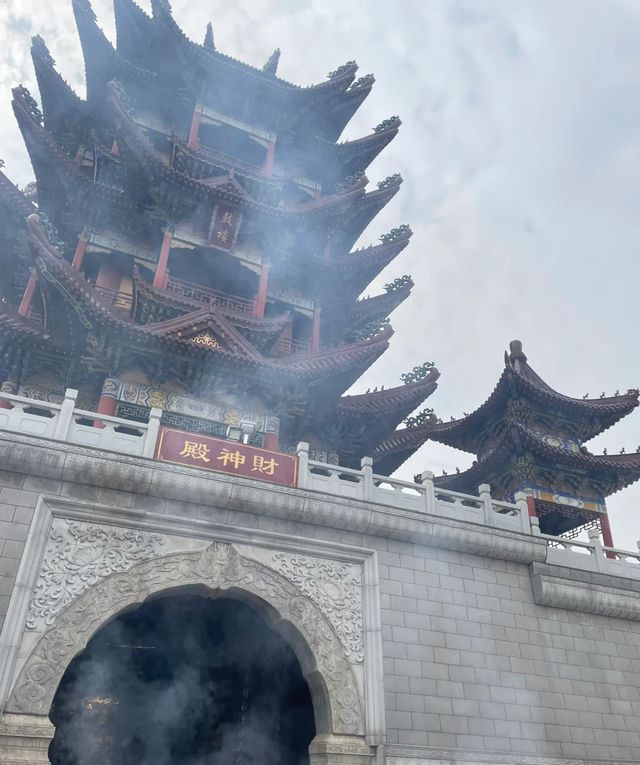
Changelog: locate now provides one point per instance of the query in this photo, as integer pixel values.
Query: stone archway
(219, 568)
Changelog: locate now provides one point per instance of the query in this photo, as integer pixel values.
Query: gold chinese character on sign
(235, 459)
(227, 218)
(196, 451)
(263, 465)
(222, 236)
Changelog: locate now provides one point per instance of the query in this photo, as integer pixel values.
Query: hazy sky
(520, 150)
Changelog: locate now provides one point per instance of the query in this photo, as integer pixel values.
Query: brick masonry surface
(471, 662)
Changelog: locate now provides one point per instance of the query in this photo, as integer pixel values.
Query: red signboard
(225, 225)
(200, 451)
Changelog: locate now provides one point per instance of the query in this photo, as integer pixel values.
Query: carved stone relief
(218, 567)
(77, 556)
(336, 588)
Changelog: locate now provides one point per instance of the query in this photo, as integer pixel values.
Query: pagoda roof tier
(60, 105)
(98, 53)
(133, 27)
(359, 268)
(225, 189)
(519, 383)
(14, 200)
(608, 472)
(345, 362)
(378, 307)
(354, 222)
(327, 106)
(400, 400)
(357, 424)
(56, 173)
(397, 447)
(334, 162)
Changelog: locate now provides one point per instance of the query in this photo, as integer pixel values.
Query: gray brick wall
(17, 503)
(472, 662)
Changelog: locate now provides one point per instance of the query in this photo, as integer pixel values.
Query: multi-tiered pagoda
(527, 437)
(191, 244)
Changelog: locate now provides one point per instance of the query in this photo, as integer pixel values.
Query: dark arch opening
(184, 680)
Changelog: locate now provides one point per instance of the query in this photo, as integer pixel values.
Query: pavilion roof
(519, 382)
(610, 472)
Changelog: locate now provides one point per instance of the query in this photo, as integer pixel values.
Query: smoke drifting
(184, 681)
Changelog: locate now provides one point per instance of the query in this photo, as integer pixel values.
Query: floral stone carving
(218, 568)
(336, 588)
(77, 556)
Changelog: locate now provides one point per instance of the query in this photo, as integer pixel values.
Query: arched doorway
(184, 680)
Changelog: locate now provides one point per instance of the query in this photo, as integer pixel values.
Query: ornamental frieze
(77, 556)
(336, 588)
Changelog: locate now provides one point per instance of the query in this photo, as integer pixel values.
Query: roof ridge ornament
(39, 46)
(399, 284)
(516, 353)
(418, 373)
(209, 41)
(271, 67)
(390, 181)
(29, 102)
(342, 70)
(400, 232)
(366, 81)
(388, 124)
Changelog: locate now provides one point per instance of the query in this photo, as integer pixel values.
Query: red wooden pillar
(607, 536)
(29, 292)
(531, 506)
(81, 248)
(108, 402)
(194, 141)
(267, 168)
(261, 296)
(163, 261)
(272, 434)
(315, 330)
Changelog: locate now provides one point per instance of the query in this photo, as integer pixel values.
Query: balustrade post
(598, 550)
(530, 523)
(65, 415)
(484, 492)
(151, 436)
(303, 465)
(366, 465)
(429, 492)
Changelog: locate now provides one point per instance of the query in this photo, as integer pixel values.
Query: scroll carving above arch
(218, 568)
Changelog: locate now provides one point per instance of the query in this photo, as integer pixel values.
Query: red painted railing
(208, 296)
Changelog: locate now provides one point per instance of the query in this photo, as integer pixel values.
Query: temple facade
(204, 556)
